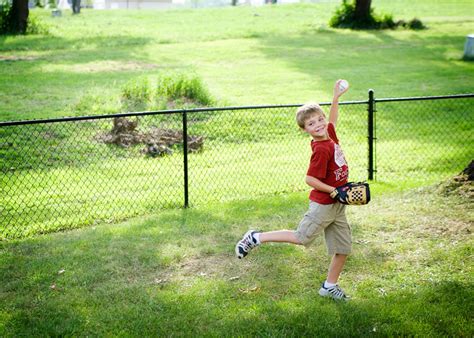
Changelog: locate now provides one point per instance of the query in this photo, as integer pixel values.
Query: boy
(327, 171)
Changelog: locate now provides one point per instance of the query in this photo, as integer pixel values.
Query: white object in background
(98, 4)
(343, 85)
(469, 47)
(63, 4)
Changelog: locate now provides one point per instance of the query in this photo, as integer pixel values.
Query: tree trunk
(19, 16)
(362, 9)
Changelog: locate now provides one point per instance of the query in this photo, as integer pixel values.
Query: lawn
(245, 55)
(172, 272)
(84, 64)
(175, 274)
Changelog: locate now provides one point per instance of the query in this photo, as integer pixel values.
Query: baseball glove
(352, 193)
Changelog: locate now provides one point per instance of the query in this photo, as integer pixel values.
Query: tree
(355, 14)
(362, 10)
(16, 18)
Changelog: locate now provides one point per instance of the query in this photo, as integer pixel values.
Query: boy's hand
(340, 88)
(339, 194)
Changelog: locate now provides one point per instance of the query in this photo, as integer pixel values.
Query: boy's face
(316, 125)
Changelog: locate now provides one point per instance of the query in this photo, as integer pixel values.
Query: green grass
(175, 274)
(270, 54)
(61, 176)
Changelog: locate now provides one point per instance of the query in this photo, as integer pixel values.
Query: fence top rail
(214, 109)
(424, 98)
(161, 112)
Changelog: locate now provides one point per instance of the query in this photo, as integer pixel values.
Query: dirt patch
(111, 66)
(156, 141)
(17, 58)
(462, 184)
(217, 266)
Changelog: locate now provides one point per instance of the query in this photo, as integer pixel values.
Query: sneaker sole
(237, 252)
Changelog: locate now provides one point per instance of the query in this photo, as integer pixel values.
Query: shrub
(182, 89)
(169, 91)
(387, 22)
(136, 95)
(4, 18)
(415, 24)
(36, 25)
(344, 17)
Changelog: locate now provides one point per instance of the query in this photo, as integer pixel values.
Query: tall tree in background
(362, 10)
(355, 14)
(16, 19)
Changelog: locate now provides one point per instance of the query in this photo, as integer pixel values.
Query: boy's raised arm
(340, 87)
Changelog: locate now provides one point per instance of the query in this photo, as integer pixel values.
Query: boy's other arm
(318, 184)
(334, 111)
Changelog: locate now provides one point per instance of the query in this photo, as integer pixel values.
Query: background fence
(66, 173)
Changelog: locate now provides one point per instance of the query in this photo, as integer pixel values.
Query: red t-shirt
(327, 164)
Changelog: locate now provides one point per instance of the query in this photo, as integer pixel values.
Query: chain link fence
(425, 139)
(65, 173)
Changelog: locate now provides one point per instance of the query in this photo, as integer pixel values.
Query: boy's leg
(284, 236)
(313, 223)
(330, 288)
(253, 238)
(335, 269)
(339, 243)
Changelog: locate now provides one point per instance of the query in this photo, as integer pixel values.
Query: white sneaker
(247, 243)
(334, 292)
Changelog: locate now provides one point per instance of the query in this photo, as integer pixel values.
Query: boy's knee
(341, 254)
(302, 239)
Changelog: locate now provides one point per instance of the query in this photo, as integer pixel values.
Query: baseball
(343, 85)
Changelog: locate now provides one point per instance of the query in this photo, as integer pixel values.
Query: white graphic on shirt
(339, 156)
(341, 174)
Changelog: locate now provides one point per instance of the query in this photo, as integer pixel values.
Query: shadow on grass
(329, 54)
(76, 60)
(176, 274)
(57, 43)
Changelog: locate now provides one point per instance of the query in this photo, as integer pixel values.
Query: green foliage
(136, 95)
(344, 17)
(55, 68)
(36, 25)
(5, 18)
(183, 88)
(171, 90)
(416, 24)
(386, 22)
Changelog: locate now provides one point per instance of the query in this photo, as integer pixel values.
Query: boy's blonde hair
(306, 111)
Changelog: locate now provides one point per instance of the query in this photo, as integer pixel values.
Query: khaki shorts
(330, 218)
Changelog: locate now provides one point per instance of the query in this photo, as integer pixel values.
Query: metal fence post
(370, 126)
(185, 158)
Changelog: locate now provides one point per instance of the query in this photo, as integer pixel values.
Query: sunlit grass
(175, 273)
(245, 55)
